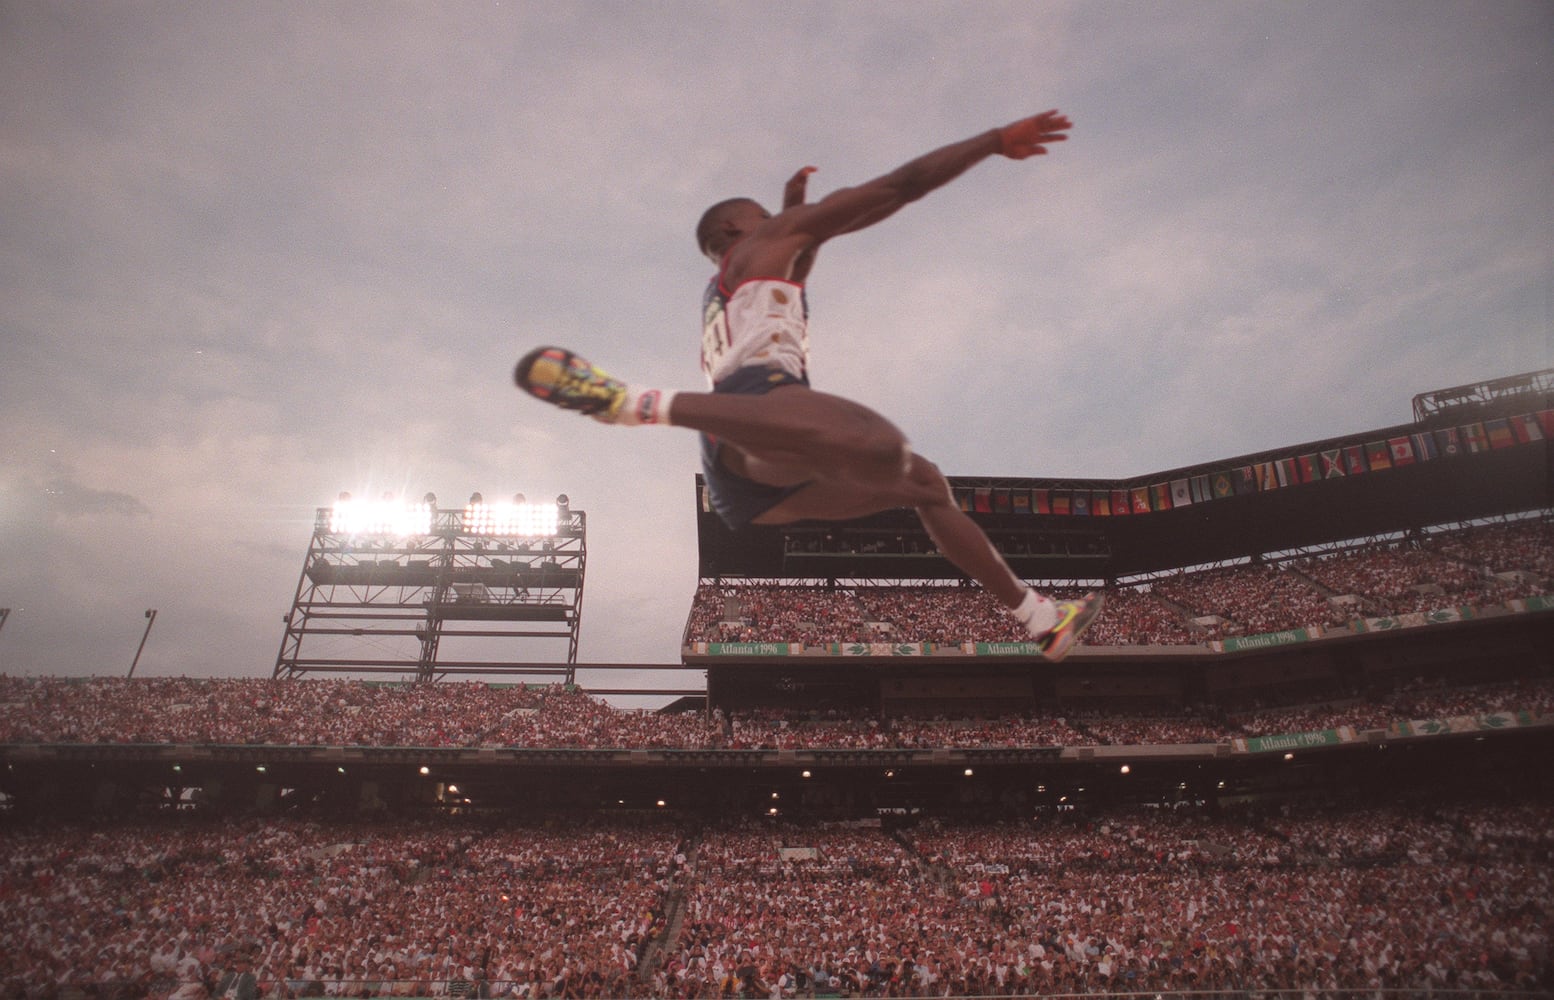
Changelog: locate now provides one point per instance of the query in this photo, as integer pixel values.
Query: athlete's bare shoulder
(769, 250)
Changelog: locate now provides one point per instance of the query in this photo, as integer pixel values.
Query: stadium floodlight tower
(409, 588)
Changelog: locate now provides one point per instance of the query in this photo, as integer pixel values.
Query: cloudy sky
(255, 254)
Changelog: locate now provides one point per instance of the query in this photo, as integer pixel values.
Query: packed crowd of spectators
(1395, 581)
(176, 908)
(1474, 567)
(1535, 696)
(776, 730)
(1456, 895)
(1137, 616)
(1251, 599)
(1516, 547)
(310, 712)
(298, 712)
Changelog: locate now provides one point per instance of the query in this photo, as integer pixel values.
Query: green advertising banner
(1265, 640)
(1294, 741)
(753, 648)
(1463, 724)
(879, 648)
(1003, 649)
(1538, 602)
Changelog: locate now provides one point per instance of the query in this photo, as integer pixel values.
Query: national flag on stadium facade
(1100, 503)
(1022, 501)
(1081, 503)
(1332, 463)
(1401, 451)
(1289, 472)
(1267, 476)
(1449, 442)
(1061, 502)
(1224, 485)
(1246, 480)
(1121, 502)
(1377, 455)
(1499, 431)
(963, 498)
(1546, 421)
(1354, 459)
(1043, 501)
(1526, 428)
(1202, 489)
(1002, 503)
(1141, 500)
(982, 500)
(1424, 447)
(1474, 437)
(1181, 493)
(1307, 465)
(1160, 496)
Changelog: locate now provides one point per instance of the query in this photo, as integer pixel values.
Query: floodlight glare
(530, 519)
(383, 517)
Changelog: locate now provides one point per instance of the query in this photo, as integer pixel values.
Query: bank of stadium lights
(401, 519)
(515, 517)
(388, 516)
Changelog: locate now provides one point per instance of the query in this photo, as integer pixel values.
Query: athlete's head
(723, 224)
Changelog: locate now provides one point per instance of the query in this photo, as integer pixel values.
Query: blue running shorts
(736, 499)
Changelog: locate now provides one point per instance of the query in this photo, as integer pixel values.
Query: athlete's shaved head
(712, 219)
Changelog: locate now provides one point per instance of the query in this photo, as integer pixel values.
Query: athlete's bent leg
(811, 434)
(960, 539)
(927, 491)
(1055, 625)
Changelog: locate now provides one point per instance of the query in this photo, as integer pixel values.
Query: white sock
(1035, 612)
(644, 406)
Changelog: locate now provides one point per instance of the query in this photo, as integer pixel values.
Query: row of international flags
(1340, 461)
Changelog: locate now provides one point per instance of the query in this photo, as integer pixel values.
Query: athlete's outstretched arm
(851, 209)
(799, 228)
(794, 193)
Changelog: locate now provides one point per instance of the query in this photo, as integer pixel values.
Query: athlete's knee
(863, 445)
(927, 483)
(885, 449)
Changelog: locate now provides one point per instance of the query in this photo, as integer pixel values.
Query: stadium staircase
(668, 940)
(1187, 614)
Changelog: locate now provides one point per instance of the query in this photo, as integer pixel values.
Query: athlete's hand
(1030, 136)
(793, 191)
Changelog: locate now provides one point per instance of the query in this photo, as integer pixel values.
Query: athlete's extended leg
(791, 432)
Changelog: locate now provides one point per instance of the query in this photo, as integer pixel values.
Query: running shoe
(561, 378)
(1073, 618)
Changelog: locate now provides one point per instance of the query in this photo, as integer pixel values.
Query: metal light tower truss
(453, 591)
